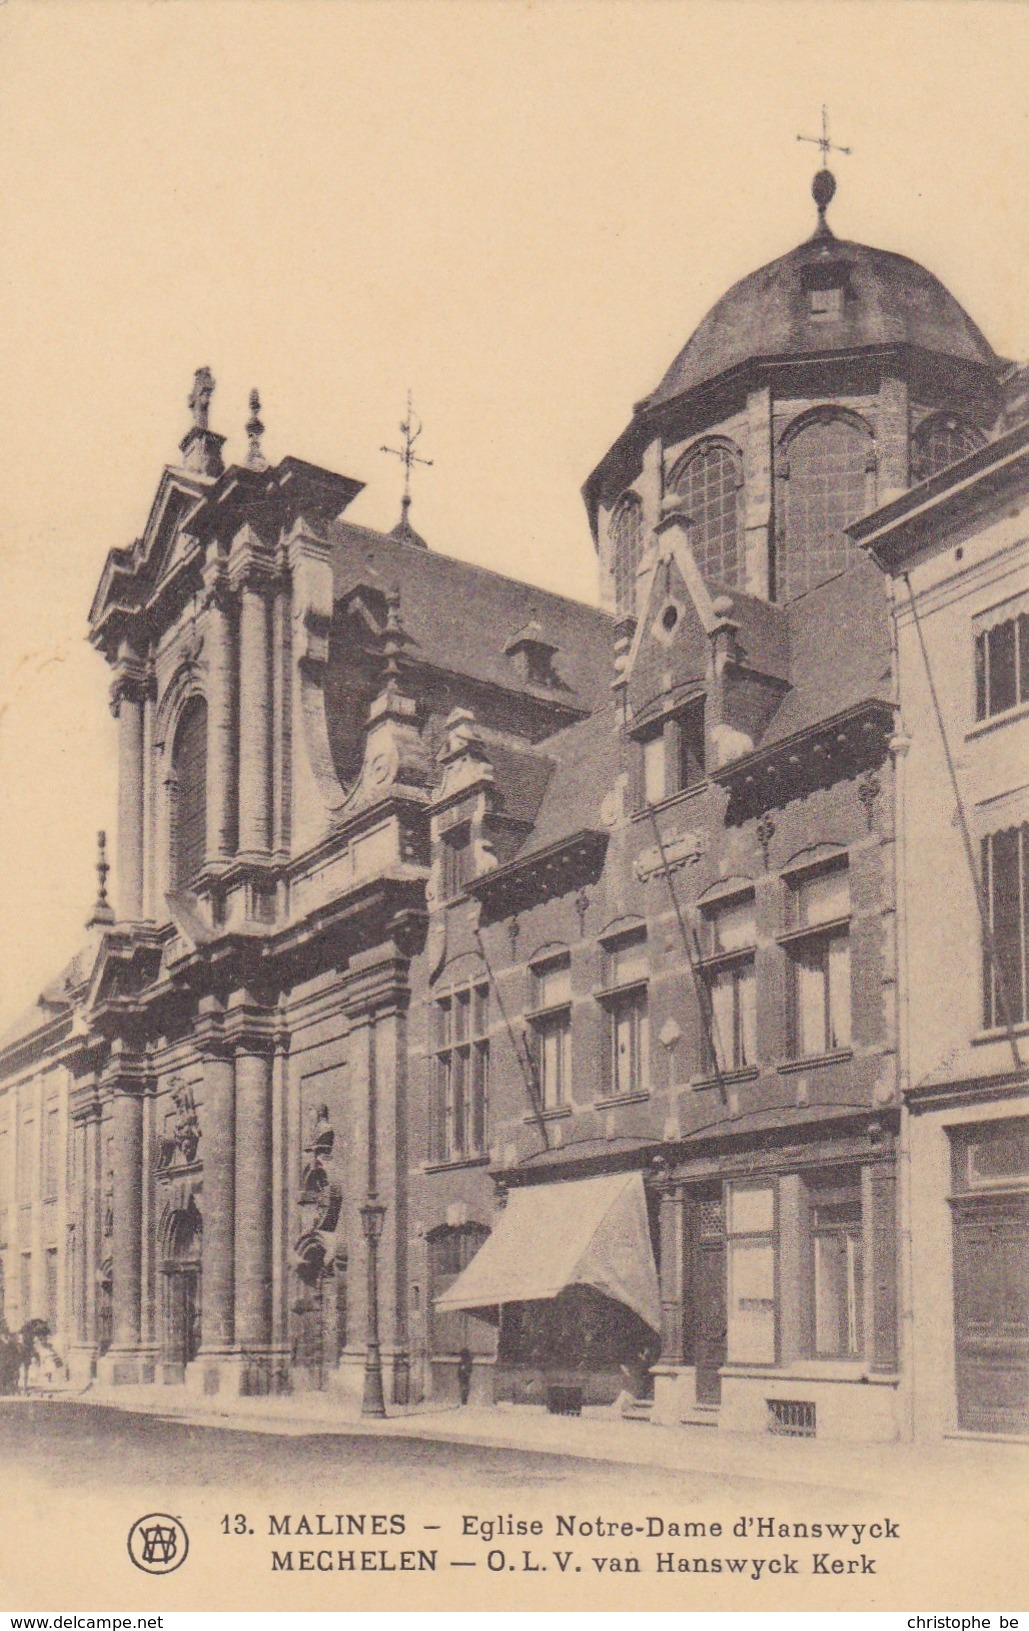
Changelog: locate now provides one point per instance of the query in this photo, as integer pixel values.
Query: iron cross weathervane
(823, 141)
(410, 430)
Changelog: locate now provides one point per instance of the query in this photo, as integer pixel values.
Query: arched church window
(189, 768)
(826, 488)
(626, 534)
(707, 479)
(939, 441)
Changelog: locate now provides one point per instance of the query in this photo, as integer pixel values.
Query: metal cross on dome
(410, 430)
(823, 141)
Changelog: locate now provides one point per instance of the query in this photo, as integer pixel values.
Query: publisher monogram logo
(158, 1543)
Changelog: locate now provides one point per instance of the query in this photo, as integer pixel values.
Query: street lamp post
(372, 1216)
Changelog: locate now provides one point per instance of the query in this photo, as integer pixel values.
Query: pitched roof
(588, 762)
(460, 617)
(839, 652)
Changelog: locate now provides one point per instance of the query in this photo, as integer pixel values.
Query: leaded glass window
(189, 766)
(826, 488)
(940, 441)
(626, 534)
(708, 482)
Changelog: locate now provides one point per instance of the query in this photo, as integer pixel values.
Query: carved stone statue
(181, 1137)
(200, 397)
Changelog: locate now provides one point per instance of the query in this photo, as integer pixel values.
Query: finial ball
(823, 189)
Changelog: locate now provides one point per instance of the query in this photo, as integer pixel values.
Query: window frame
(807, 550)
(683, 751)
(550, 1019)
(739, 1239)
(1016, 981)
(740, 963)
(706, 547)
(840, 1190)
(802, 940)
(626, 999)
(985, 638)
(628, 504)
(456, 861)
(458, 1129)
(187, 863)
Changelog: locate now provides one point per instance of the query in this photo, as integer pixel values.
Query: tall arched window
(626, 534)
(707, 479)
(826, 478)
(189, 768)
(940, 440)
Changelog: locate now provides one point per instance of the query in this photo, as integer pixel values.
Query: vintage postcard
(514, 726)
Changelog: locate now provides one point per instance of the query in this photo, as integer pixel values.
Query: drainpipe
(899, 746)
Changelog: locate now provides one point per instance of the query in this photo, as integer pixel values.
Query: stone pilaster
(128, 693)
(756, 496)
(123, 1087)
(892, 440)
(252, 570)
(250, 1029)
(221, 712)
(672, 1222)
(218, 1126)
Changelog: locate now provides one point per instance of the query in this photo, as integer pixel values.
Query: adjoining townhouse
(956, 550)
(493, 976)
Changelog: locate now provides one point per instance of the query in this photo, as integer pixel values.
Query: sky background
(520, 212)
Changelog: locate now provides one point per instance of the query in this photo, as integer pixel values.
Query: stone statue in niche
(181, 1137)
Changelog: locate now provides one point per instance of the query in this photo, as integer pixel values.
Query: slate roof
(839, 643)
(460, 617)
(588, 764)
(891, 301)
(55, 998)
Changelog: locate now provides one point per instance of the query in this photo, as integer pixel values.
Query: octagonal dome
(883, 299)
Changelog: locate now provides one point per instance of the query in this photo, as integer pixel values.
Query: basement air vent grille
(791, 1418)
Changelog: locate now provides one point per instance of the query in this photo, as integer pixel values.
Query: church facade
(510, 1001)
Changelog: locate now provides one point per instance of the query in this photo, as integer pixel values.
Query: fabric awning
(589, 1232)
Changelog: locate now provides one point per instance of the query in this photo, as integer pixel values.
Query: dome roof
(886, 300)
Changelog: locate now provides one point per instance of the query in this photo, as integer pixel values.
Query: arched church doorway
(181, 1304)
(319, 1311)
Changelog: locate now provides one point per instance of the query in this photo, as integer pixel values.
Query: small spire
(823, 188)
(201, 447)
(199, 399)
(101, 912)
(255, 430)
(410, 430)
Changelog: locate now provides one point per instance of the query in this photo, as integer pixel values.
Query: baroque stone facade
(498, 983)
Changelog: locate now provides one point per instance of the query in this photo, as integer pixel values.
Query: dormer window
(825, 288)
(533, 654)
(457, 861)
(826, 303)
(672, 752)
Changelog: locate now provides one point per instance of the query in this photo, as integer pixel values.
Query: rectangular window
(730, 936)
(552, 1031)
(459, 1095)
(690, 735)
(654, 769)
(26, 1157)
(837, 1267)
(457, 862)
(1005, 879)
(629, 1040)
(751, 1280)
(819, 953)
(628, 1029)
(51, 1152)
(1002, 667)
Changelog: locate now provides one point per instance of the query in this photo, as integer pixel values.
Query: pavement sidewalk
(988, 1468)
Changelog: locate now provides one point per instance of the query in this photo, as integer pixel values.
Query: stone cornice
(824, 753)
(923, 516)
